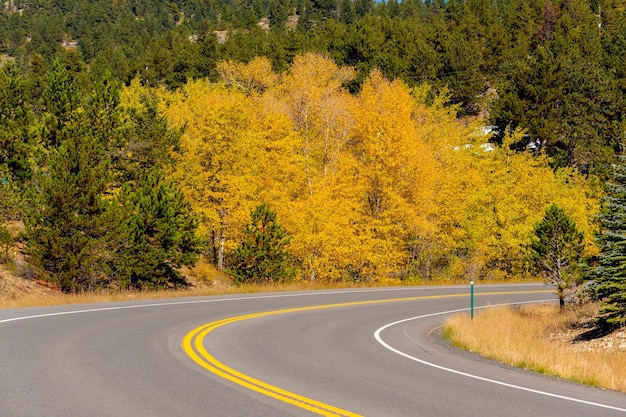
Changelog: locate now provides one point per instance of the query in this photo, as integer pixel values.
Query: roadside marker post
(472, 299)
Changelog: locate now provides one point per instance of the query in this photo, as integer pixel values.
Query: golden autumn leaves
(376, 187)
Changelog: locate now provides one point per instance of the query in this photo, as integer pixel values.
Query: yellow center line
(193, 346)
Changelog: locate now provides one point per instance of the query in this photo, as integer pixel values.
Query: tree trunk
(220, 255)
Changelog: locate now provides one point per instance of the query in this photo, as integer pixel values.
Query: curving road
(366, 352)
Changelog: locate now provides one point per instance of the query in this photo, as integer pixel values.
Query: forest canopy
(393, 141)
(379, 185)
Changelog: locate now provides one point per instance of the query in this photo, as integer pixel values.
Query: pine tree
(15, 119)
(66, 223)
(149, 141)
(557, 247)
(60, 99)
(103, 214)
(263, 256)
(363, 7)
(67, 219)
(347, 14)
(562, 94)
(610, 274)
(158, 234)
(15, 146)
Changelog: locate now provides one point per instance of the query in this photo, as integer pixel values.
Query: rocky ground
(13, 287)
(587, 338)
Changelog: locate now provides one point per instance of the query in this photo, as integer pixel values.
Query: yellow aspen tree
(217, 154)
(312, 95)
(374, 187)
(253, 77)
(434, 246)
(327, 242)
(319, 222)
(516, 189)
(397, 171)
(130, 96)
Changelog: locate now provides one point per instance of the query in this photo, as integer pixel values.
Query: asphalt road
(359, 354)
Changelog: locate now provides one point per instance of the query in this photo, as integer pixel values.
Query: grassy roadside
(17, 292)
(528, 337)
(20, 293)
(19, 287)
(45, 296)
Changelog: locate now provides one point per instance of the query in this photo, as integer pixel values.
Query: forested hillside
(522, 63)
(342, 140)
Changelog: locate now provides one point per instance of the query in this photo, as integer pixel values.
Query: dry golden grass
(16, 292)
(519, 336)
(31, 295)
(20, 293)
(43, 296)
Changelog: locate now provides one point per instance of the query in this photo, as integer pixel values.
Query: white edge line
(216, 300)
(480, 378)
(175, 303)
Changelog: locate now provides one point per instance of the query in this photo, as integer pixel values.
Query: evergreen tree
(104, 111)
(327, 8)
(15, 119)
(562, 94)
(15, 146)
(263, 256)
(557, 247)
(148, 143)
(347, 14)
(66, 223)
(79, 235)
(67, 219)
(363, 7)
(60, 99)
(461, 72)
(610, 274)
(158, 234)
(280, 10)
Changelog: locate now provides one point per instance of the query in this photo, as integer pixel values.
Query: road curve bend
(365, 352)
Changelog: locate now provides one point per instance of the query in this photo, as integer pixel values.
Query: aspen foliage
(216, 159)
(316, 102)
(253, 77)
(380, 187)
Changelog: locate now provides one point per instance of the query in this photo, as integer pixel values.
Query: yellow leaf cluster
(376, 187)
(256, 76)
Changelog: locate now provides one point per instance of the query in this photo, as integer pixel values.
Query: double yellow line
(193, 346)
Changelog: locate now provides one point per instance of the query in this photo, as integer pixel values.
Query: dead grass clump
(519, 336)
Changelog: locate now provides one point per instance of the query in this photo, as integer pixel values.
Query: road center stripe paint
(192, 345)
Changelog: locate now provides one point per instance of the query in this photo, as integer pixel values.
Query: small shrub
(203, 271)
(263, 256)
(6, 242)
